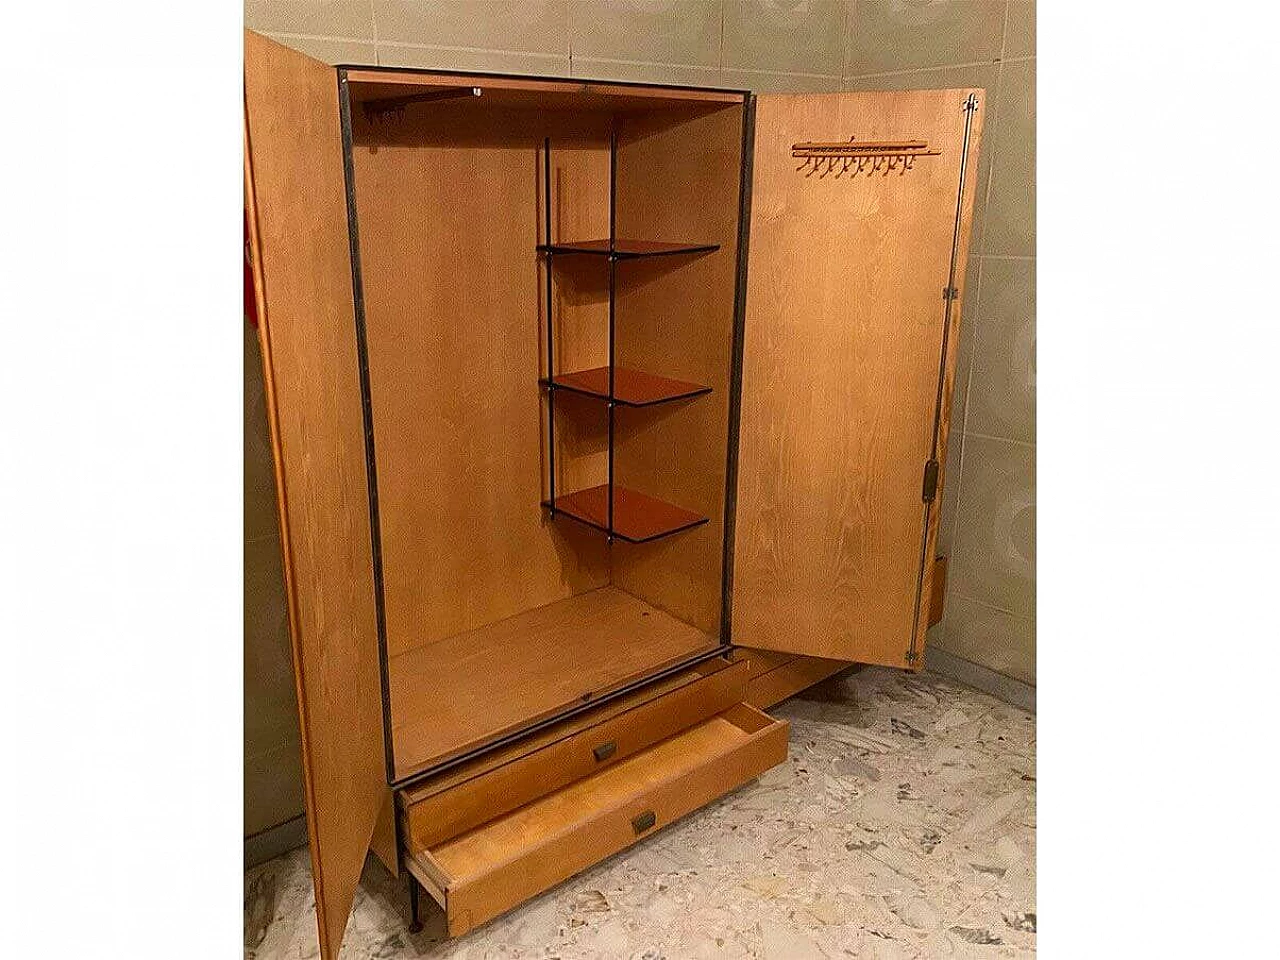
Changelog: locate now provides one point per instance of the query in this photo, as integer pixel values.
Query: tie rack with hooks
(841, 157)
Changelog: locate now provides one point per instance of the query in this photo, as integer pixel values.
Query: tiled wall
(763, 45)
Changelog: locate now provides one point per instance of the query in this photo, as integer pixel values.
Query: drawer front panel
(487, 871)
(468, 798)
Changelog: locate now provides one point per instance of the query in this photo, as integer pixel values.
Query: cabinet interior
(498, 614)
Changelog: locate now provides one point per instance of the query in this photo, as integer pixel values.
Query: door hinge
(930, 487)
(950, 293)
(911, 654)
(971, 102)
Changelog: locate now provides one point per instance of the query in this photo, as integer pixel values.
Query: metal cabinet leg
(415, 919)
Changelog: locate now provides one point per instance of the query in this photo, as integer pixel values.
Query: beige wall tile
(1008, 292)
(784, 36)
(329, 50)
(764, 81)
(590, 69)
(523, 26)
(981, 634)
(1002, 394)
(272, 787)
(950, 486)
(348, 19)
(972, 289)
(983, 75)
(1011, 205)
(650, 31)
(993, 556)
(952, 467)
(1020, 29)
(484, 61)
(902, 34)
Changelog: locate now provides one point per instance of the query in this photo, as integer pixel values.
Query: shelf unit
(636, 517)
(618, 512)
(631, 388)
(620, 249)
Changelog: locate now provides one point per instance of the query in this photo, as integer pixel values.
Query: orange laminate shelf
(637, 517)
(627, 249)
(631, 388)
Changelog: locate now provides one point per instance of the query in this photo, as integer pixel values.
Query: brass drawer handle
(605, 751)
(644, 821)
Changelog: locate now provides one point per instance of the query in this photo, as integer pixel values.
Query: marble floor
(901, 825)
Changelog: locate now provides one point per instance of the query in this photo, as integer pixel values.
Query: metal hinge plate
(929, 489)
(950, 293)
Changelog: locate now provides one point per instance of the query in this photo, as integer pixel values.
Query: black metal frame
(725, 645)
(366, 410)
(551, 369)
(735, 367)
(949, 297)
(613, 285)
(415, 914)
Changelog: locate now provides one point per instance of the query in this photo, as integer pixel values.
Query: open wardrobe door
(296, 200)
(859, 228)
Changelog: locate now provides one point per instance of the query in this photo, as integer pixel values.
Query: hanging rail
(375, 110)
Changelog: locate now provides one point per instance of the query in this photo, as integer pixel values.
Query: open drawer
(486, 871)
(498, 782)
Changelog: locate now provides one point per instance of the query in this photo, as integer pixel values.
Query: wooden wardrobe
(605, 416)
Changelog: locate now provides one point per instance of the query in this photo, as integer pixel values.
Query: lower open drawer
(492, 868)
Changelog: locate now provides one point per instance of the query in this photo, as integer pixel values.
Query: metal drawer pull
(644, 821)
(605, 751)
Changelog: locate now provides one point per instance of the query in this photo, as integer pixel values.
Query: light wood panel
(461, 691)
(844, 331)
(306, 322)
(678, 180)
(449, 220)
(481, 790)
(485, 872)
